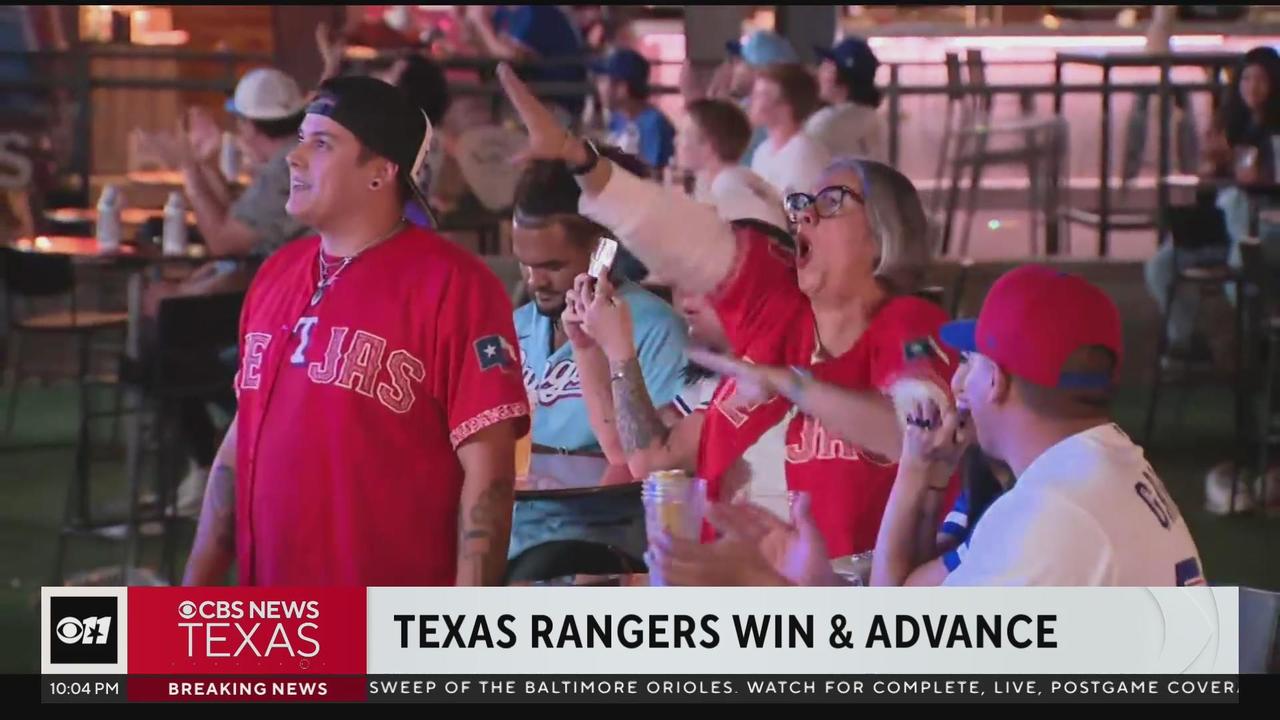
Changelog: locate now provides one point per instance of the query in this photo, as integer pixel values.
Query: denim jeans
(1160, 272)
(608, 518)
(1161, 269)
(1184, 136)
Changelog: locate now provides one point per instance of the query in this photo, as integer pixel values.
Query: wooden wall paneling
(234, 28)
(117, 111)
(295, 44)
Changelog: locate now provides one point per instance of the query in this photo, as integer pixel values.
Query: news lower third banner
(634, 644)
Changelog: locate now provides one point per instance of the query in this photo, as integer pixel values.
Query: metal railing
(82, 82)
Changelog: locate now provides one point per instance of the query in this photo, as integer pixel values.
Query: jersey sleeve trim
(681, 405)
(956, 524)
(951, 559)
(492, 416)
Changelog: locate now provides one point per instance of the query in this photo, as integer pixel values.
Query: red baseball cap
(1033, 319)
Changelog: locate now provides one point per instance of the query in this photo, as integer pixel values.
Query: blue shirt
(547, 31)
(552, 381)
(650, 136)
(957, 526)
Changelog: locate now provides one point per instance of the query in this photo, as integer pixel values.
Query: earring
(375, 184)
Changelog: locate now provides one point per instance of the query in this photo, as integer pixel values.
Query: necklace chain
(327, 279)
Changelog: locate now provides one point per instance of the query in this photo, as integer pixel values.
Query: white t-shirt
(1089, 511)
(738, 193)
(849, 129)
(795, 166)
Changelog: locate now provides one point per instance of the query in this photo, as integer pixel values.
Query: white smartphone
(602, 257)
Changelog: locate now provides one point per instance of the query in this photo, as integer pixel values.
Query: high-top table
(131, 216)
(574, 497)
(135, 259)
(563, 476)
(1104, 219)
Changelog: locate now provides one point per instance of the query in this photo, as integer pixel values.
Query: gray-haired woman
(839, 307)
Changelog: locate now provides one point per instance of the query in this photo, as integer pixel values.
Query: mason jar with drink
(676, 504)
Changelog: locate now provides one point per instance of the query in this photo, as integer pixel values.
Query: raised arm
(675, 236)
(494, 44)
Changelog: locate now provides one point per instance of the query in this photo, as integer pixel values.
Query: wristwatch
(593, 157)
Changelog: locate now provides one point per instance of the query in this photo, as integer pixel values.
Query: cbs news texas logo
(83, 630)
(247, 630)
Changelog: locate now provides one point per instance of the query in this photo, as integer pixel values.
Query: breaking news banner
(601, 644)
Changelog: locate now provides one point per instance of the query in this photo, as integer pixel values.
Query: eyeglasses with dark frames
(826, 203)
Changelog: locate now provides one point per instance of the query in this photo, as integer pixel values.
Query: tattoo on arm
(221, 506)
(639, 424)
(483, 530)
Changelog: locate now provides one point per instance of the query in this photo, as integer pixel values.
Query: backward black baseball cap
(382, 118)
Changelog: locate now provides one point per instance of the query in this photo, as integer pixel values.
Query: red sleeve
(477, 377)
(906, 342)
(240, 339)
(760, 297)
(235, 382)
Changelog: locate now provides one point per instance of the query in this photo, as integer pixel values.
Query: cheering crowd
(385, 378)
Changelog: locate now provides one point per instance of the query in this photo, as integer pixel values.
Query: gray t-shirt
(261, 205)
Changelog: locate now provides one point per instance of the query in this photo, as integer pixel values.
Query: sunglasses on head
(827, 203)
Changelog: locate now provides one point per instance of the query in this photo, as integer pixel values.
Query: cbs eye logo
(83, 630)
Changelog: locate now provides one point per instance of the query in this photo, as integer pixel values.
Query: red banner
(222, 688)
(246, 631)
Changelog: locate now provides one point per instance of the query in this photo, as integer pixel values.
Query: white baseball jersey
(1089, 511)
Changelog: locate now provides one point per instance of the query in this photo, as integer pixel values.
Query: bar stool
(32, 277)
(1042, 151)
(194, 360)
(193, 357)
(1264, 324)
(940, 202)
(1192, 228)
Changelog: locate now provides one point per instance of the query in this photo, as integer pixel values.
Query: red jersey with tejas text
(351, 410)
(769, 321)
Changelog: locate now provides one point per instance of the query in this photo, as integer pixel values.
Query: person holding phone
(555, 245)
(599, 324)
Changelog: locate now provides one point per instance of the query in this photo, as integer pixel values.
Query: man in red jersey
(380, 397)
(841, 308)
